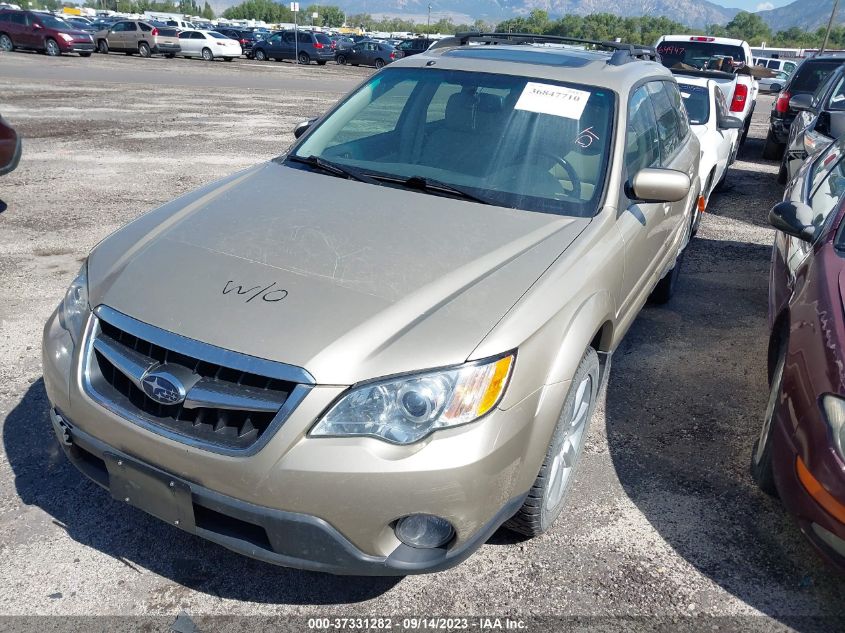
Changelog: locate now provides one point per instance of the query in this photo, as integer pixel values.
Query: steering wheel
(567, 167)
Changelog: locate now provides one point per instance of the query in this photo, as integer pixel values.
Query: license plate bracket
(151, 490)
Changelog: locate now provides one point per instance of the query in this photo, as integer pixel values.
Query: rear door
(20, 31)
(188, 43)
(287, 46)
(131, 36)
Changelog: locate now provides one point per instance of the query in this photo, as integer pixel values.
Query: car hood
(349, 280)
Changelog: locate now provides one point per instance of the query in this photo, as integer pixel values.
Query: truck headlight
(74, 309)
(405, 410)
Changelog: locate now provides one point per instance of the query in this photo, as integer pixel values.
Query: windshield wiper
(435, 186)
(333, 168)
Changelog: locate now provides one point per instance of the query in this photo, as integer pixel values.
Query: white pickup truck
(726, 61)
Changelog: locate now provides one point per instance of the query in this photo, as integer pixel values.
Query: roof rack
(622, 52)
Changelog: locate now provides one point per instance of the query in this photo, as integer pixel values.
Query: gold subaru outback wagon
(368, 354)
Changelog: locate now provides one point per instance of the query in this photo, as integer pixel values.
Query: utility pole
(829, 26)
(294, 7)
(428, 27)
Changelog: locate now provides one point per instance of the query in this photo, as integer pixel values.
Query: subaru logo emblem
(164, 389)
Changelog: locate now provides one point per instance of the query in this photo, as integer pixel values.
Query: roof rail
(622, 52)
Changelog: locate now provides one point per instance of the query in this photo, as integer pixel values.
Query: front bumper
(348, 491)
(76, 47)
(282, 538)
(825, 532)
(779, 128)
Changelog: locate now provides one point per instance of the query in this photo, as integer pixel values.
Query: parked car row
(54, 35)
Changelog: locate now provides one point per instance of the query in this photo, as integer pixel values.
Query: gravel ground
(664, 521)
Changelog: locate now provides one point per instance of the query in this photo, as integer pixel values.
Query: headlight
(405, 410)
(74, 309)
(834, 411)
(66, 37)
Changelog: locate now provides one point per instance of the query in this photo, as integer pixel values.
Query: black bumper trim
(292, 539)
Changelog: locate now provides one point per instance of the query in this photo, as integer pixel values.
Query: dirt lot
(664, 521)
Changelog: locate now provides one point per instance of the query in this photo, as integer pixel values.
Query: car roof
(543, 59)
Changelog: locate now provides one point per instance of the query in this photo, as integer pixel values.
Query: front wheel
(103, 47)
(144, 50)
(379, 64)
(547, 496)
(52, 48)
(761, 454)
(303, 58)
(260, 56)
(207, 55)
(341, 59)
(6, 43)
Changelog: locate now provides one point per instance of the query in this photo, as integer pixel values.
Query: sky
(753, 5)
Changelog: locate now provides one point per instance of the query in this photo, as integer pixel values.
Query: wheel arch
(778, 338)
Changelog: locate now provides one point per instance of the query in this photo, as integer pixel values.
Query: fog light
(424, 531)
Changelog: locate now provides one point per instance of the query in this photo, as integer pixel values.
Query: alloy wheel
(566, 457)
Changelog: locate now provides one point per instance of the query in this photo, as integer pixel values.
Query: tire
(772, 150)
(548, 494)
(6, 43)
(52, 48)
(144, 50)
(761, 454)
(85, 54)
(746, 129)
(321, 63)
(303, 58)
(341, 59)
(783, 172)
(260, 56)
(379, 64)
(103, 47)
(666, 287)
(207, 55)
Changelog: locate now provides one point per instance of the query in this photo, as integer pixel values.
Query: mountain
(806, 15)
(694, 13)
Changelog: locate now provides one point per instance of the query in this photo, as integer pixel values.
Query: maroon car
(42, 32)
(800, 454)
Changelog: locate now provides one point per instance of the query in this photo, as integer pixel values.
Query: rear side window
(323, 39)
(5, 17)
(19, 18)
(305, 38)
(130, 26)
(788, 67)
(811, 74)
(642, 145)
(145, 27)
(837, 96)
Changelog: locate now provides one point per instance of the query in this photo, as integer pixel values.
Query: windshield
(812, 74)
(517, 142)
(701, 55)
(52, 22)
(697, 102)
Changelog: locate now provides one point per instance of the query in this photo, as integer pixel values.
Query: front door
(642, 223)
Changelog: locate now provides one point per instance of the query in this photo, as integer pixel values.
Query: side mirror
(10, 148)
(731, 123)
(302, 127)
(659, 185)
(801, 102)
(37, 26)
(790, 217)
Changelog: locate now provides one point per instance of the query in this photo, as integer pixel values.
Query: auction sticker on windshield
(554, 100)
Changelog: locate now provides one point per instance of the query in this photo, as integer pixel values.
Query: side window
(4, 17)
(196, 35)
(130, 26)
(827, 196)
(305, 38)
(837, 96)
(788, 67)
(185, 35)
(117, 28)
(19, 19)
(667, 121)
(145, 27)
(642, 145)
(823, 165)
(680, 111)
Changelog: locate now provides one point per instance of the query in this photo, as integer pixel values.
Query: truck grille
(225, 407)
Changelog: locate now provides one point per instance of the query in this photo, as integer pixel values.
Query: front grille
(247, 403)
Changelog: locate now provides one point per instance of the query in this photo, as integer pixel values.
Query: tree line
(598, 26)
